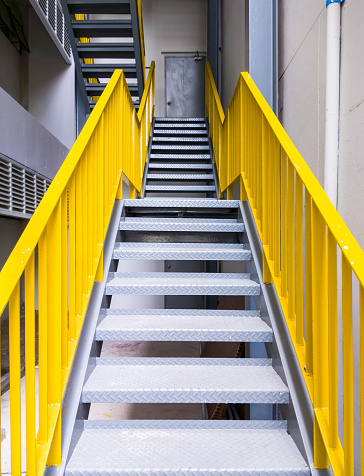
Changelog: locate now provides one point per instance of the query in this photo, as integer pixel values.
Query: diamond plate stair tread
(181, 203)
(190, 132)
(193, 284)
(187, 451)
(165, 380)
(185, 125)
(180, 119)
(180, 147)
(181, 251)
(180, 188)
(180, 176)
(177, 312)
(182, 224)
(156, 165)
(181, 156)
(215, 328)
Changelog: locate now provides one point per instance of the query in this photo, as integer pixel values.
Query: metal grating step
(182, 224)
(191, 284)
(102, 28)
(97, 6)
(182, 203)
(180, 119)
(95, 89)
(184, 380)
(105, 50)
(157, 165)
(181, 251)
(179, 325)
(176, 157)
(180, 125)
(107, 70)
(179, 139)
(180, 188)
(186, 448)
(179, 132)
(180, 147)
(180, 177)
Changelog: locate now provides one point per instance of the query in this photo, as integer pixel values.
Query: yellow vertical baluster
(347, 316)
(30, 364)
(54, 247)
(299, 261)
(283, 223)
(277, 211)
(64, 281)
(308, 283)
(43, 337)
(291, 250)
(72, 259)
(333, 365)
(14, 362)
(361, 319)
(320, 329)
(79, 240)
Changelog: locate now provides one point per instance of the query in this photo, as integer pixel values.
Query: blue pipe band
(329, 2)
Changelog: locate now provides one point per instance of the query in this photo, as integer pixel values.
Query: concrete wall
(23, 139)
(51, 84)
(234, 57)
(172, 27)
(10, 70)
(302, 72)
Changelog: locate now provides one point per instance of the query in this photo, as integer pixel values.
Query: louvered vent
(44, 6)
(21, 189)
(52, 13)
(60, 27)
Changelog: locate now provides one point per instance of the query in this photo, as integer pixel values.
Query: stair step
(189, 132)
(180, 119)
(172, 147)
(184, 380)
(102, 28)
(180, 188)
(98, 88)
(180, 156)
(202, 177)
(158, 165)
(105, 50)
(181, 251)
(181, 203)
(192, 284)
(180, 125)
(183, 325)
(97, 6)
(185, 448)
(180, 139)
(107, 70)
(182, 224)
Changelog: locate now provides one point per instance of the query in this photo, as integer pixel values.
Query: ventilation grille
(21, 189)
(52, 11)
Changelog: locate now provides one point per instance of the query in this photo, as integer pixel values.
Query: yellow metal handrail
(141, 33)
(303, 238)
(60, 257)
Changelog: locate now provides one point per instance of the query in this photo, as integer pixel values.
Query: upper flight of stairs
(112, 26)
(180, 160)
(184, 230)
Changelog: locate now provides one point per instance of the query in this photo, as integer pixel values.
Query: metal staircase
(110, 33)
(180, 158)
(190, 230)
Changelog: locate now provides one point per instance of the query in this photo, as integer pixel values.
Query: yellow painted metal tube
(348, 381)
(29, 329)
(308, 284)
(283, 195)
(299, 261)
(14, 363)
(291, 244)
(361, 319)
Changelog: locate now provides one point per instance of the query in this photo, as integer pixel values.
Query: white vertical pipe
(333, 40)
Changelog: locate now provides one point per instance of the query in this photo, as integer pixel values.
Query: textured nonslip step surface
(183, 380)
(186, 448)
(96, 6)
(181, 251)
(182, 224)
(102, 28)
(180, 119)
(173, 166)
(182, 132)
(181, 325)
(202, 177)
(193, 138)
(166, 156)
(192, 284)
(107, 70)
(181, 125)
(180, 147)
(105, 50)
(180, 188)
(181, 203)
